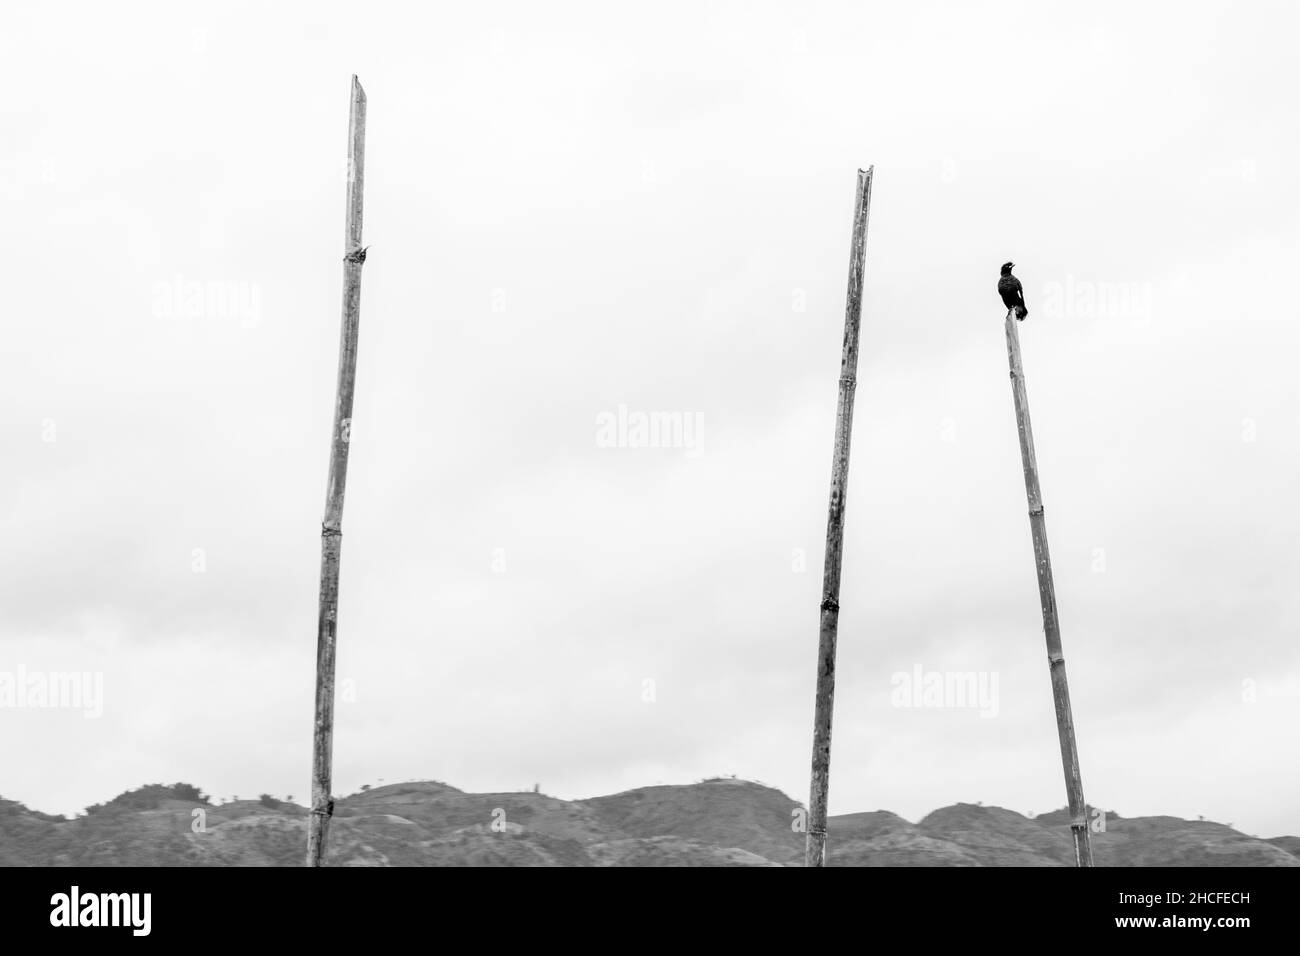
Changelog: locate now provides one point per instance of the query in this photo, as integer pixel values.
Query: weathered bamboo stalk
(322, 805)
(815, 845)
(1047, 598)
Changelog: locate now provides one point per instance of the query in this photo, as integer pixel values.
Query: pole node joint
(327, 532)
(327, 812)
(830, 604)
(1036, 510)
(357, 255)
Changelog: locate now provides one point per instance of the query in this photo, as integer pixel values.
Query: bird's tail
(1021, 312)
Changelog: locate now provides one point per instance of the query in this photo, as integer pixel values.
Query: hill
(721, 822)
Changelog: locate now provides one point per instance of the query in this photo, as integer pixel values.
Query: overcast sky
(573, 208)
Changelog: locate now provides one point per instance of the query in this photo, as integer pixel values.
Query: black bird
(1013, 296)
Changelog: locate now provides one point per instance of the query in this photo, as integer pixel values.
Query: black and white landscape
(599, 345)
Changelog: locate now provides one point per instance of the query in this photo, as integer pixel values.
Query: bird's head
(1007, 267)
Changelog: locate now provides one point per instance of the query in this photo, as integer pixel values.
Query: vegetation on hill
(717, 822)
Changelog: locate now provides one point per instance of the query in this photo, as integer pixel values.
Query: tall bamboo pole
(815, 845)
(1047, 598)
(322, 805)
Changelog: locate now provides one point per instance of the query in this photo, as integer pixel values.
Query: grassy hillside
(723, 822)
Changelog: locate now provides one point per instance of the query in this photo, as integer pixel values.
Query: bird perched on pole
(1013, 296)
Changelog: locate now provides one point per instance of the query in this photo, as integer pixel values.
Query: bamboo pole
(1047, 598)
(815, 845)
(322, 805)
